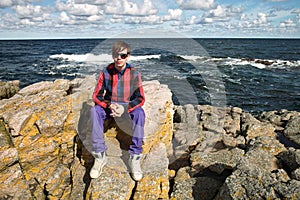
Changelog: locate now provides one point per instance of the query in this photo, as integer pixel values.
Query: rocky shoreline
(190, 151)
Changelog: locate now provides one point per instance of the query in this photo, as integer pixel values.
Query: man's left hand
(116, 110)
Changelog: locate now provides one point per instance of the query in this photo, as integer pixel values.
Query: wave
(96, 58)
(262, 63)
(81, 57)
(258, 63)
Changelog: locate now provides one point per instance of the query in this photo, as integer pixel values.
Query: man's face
(120, 59)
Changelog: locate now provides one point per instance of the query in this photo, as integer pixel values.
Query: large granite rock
(45, 149)
(225, 153)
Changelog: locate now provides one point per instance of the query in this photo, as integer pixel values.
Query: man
(119, 94)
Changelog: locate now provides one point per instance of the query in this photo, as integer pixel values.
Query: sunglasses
(122, 55)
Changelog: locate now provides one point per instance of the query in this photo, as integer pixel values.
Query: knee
(97, 111)
(138, 114)
(93, 110)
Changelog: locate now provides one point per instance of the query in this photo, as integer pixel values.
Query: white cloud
(298, 18)
(192, 20)
(6, 3)
(174, 14)
(151, 19)
(94, 2)
(29, 10)
(296, 11)
(9, 3)
(116, 19)
(128, 8)
(287, 23)
(220, 14)
(26, 22)
(196, 4)
(219, 11)
(262, 18)
(205, 16)
(64, 17)
(243, 17)
(261, 21)
(232, 11)
(77, 9)
(95, 18)
(208, 20)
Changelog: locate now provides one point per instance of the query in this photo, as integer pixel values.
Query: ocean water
(254, 74)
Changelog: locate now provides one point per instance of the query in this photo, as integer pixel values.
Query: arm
(137, 99)
(99, 92)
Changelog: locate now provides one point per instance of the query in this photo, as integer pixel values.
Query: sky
(40, 19)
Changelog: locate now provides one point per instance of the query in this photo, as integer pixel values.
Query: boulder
(45, 122)
(9, 89)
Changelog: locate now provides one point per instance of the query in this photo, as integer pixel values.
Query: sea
(253, 74)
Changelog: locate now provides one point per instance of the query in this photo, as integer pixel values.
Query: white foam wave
(258, 63)
(135, 58)
(192, 57)
(82, 57)
(105, 58)
(96, 58)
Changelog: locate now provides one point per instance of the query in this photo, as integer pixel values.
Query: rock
(190, 151)
(43, 120)
(288, 190)
(296, 174)
(290, 159)
(112, 184)
(13, 184)
(292, 129)
(271, 116)
(254, 178)
(216, 161)
(196, 188)
(155, 183)
(253, 128)
(268, 144)
(207, 125)
(265, 62)
(159, 113)
(249, 184)
(287, 123)
(9, 89)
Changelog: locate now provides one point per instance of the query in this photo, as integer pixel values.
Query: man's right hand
(116, 110)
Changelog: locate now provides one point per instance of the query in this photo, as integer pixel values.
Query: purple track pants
(131, 123)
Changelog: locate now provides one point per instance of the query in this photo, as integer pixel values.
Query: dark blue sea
(254, 74)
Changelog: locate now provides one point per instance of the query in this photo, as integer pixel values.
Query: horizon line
(77, 38)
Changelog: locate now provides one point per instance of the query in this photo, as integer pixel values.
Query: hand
(116, 110)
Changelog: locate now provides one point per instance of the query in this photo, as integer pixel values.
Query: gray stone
(292, 128)
(290, 159)
(9, 89)
(216, 161)
(196, 188)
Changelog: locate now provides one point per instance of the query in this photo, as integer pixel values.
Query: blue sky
(23, 19)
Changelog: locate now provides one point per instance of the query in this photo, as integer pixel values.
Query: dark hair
(119, 46)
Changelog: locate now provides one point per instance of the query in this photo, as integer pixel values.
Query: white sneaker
(135, 166)
(99, 163)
